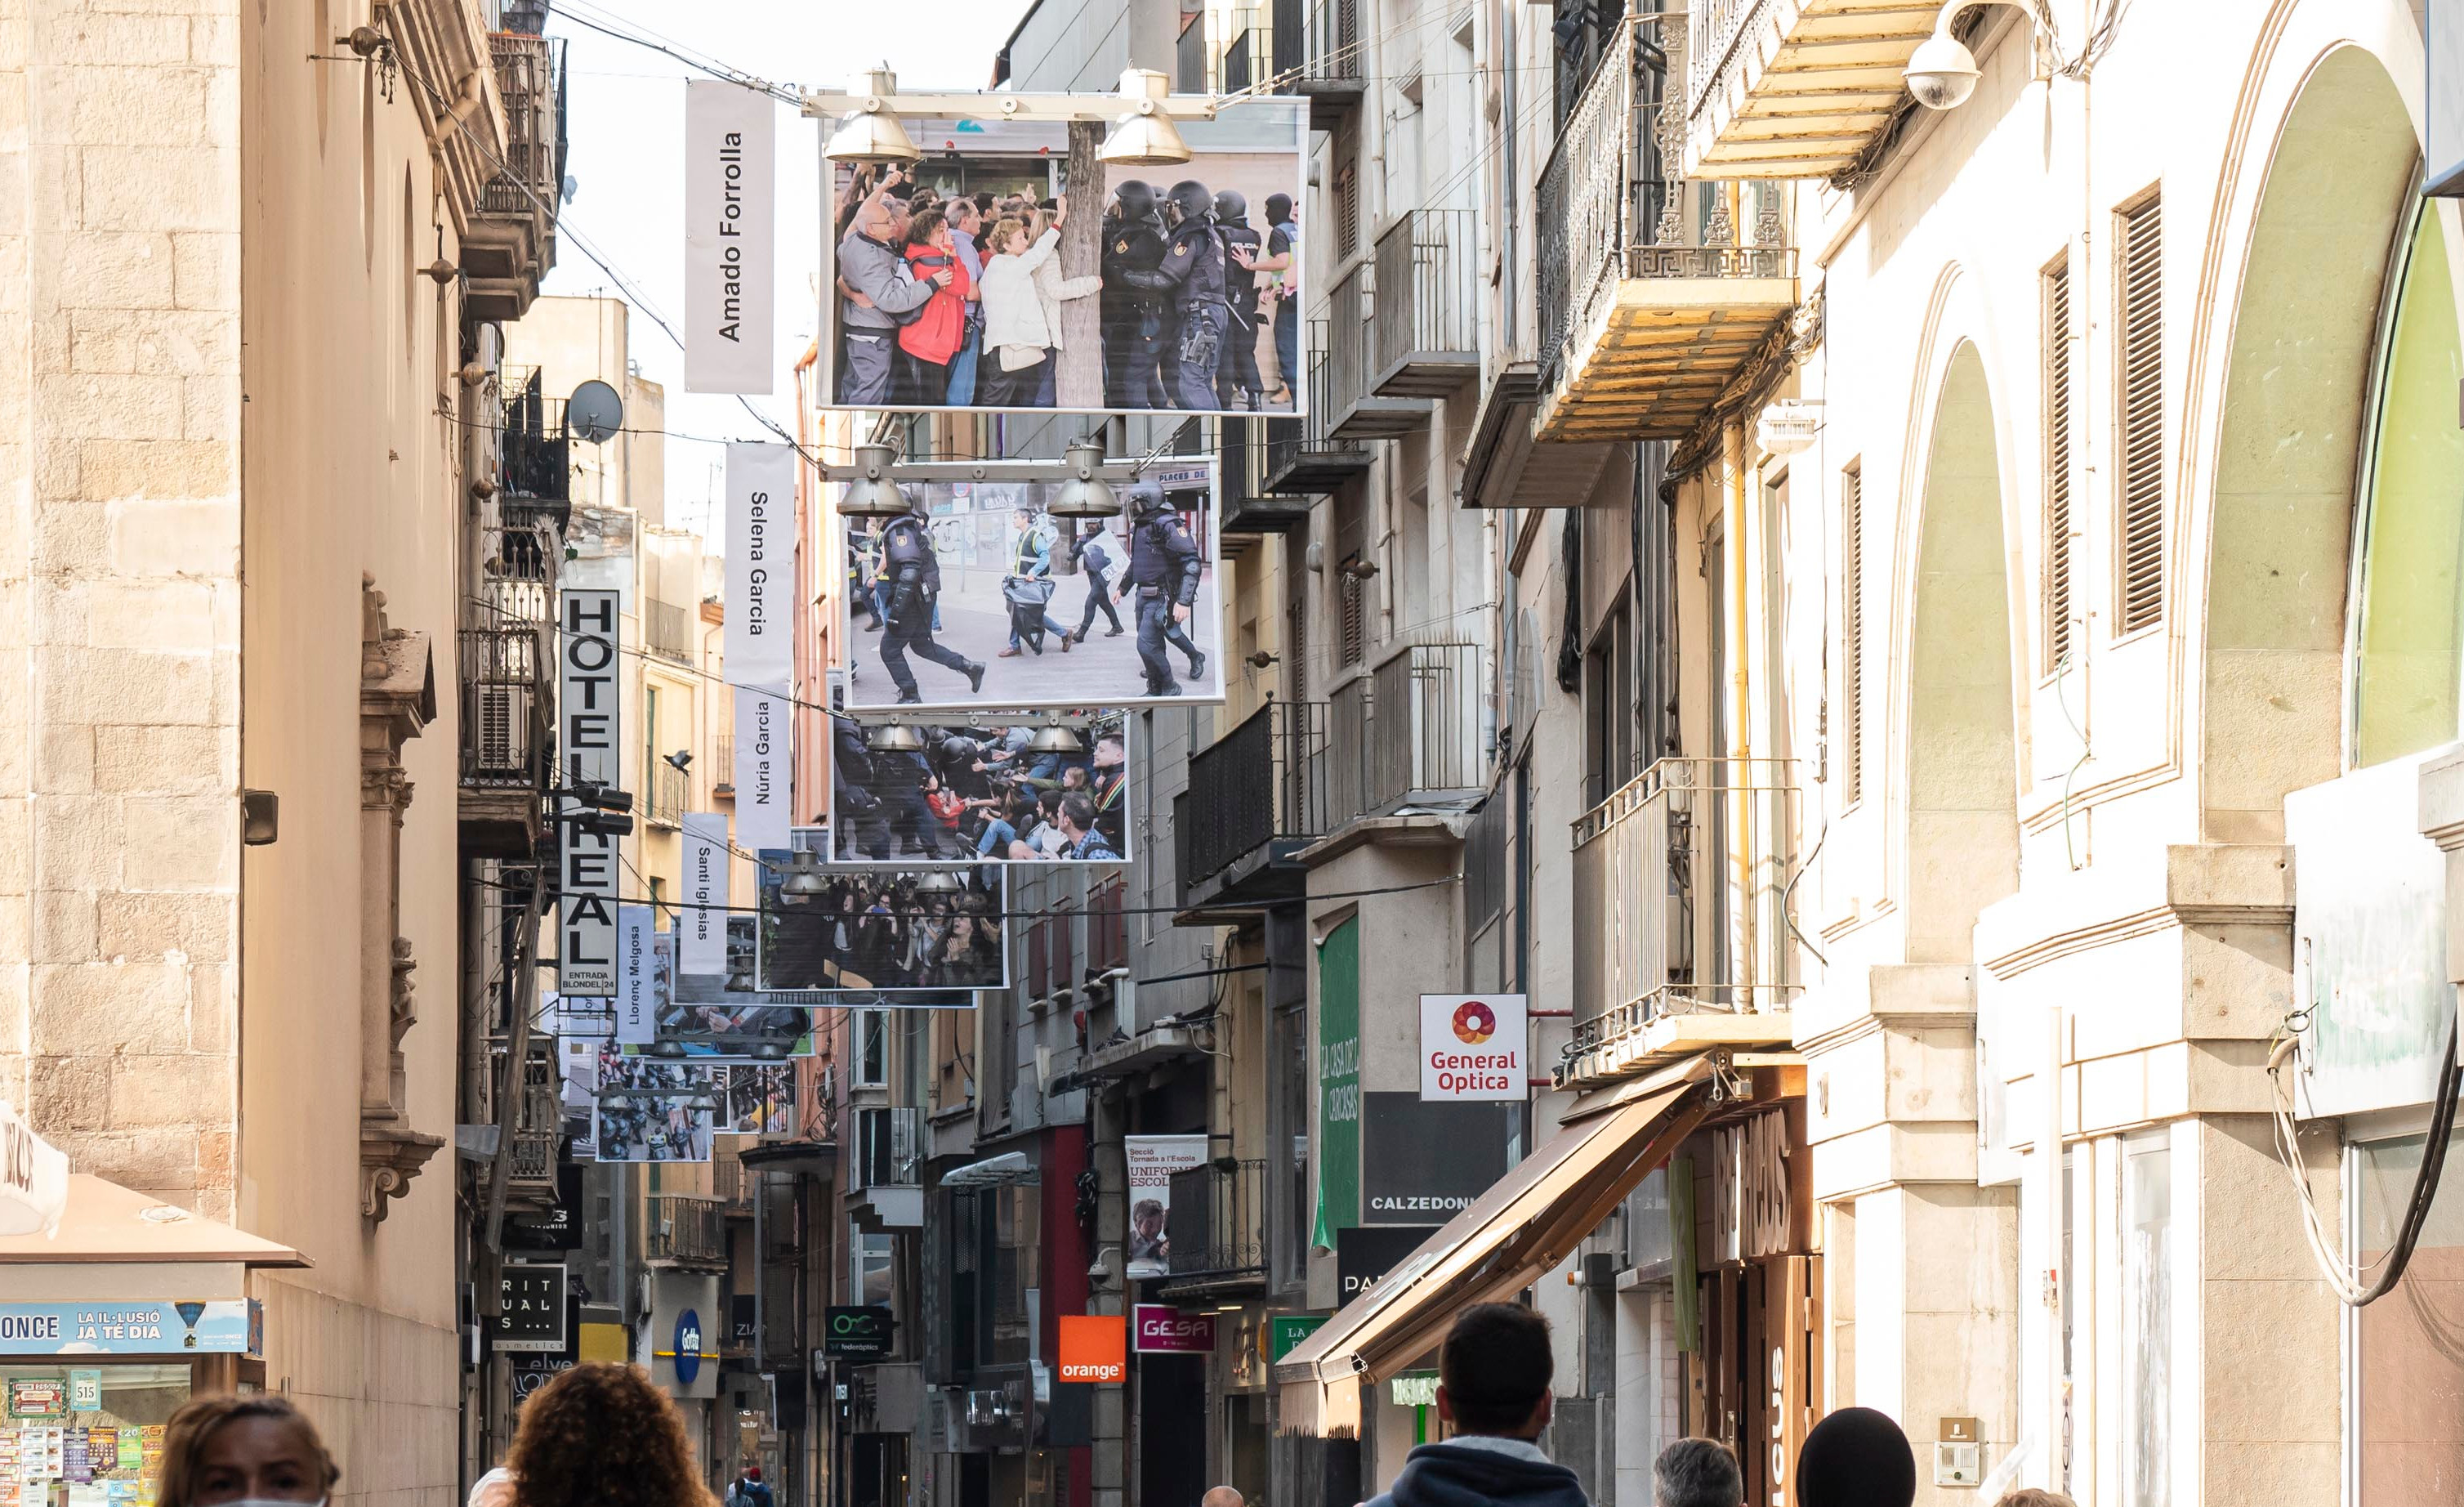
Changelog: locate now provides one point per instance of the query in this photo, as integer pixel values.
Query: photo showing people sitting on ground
(873, 928)
(1040, 791)
(651, 1110)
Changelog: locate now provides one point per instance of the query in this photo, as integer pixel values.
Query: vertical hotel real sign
(760, 653)
(589, 727)
(730, 236)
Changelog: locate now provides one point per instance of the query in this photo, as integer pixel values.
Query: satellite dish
(593, 412)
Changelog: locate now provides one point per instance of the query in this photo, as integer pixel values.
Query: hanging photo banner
(1152, 1160)
(996, 789)
(731, 243)
(760, 566)
(762, 817)
(1179, 288)
(701, 926)
(987, 601)
(865, 930)
(589, 723)
(639, 962)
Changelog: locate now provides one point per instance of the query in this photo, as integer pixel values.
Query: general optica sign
(1474, 1046)
(1163, 1330)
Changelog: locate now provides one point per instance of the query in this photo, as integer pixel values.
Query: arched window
(2408, 632)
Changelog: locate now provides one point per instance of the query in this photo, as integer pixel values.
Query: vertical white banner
(701, 926)
(761, 546)
(589, 721)
(730, 241)
(762, 813)
(637, 974)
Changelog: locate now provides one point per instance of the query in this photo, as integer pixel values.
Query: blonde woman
(1017, 338)
(1055, 290)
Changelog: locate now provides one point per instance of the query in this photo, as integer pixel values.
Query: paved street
(974, 622)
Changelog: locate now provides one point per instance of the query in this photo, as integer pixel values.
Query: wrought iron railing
(530, 80)
(668, 629)
(1427, 734)
(1334, 40)
(1681, 881)
(1350, 308)
(506, 704)
(1715, 26)
(1296, 441)
(1247, 58)
(535, 459)
(1257, 784)
(888, 1146)
(732, 1184)
(1193, 71)
(723, 772)
(685, 1228)
(1428, 296)
(1611, 208)
(1216, 1227)
(669, 794)
(1245, 458)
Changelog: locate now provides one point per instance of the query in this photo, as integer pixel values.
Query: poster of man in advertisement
(980, 278)
(993, 790)
(655, 1110)
(1153, 1160)
(876, 929)
(760, 1099)
(978, 597)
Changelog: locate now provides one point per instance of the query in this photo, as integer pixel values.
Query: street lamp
(1942, 72)
(1144, 137)
(870, 132)
(872, 491)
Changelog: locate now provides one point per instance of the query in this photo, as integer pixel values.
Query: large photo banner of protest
(878, 930)
(650, 1109)
(980, 597)
(982, 277)
(1004, 788)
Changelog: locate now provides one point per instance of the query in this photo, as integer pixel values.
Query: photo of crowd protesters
(953, 276)
(979, 597)
(760, 1032)
(760, 1099)
(995, 791)
(868, 928)
(650, 1109)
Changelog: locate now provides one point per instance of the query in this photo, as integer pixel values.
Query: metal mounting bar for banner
(1123, 469)
(976, 105)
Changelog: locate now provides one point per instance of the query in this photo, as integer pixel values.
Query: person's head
(918, 506)
(1493, 1371)
(1697, 1472)
(1077, 815)
(983, 202)
(1074, 778)
(928, 228)
(1189, 200)
(1134, 200)
(1146, 501)
(1279, 209)
(1231, 208)
(878, 220)
(2035, 1496)
(1011, 237)
(231, 1448)
(752, 1472)
(963, 215)
(602, 1433)
(1108, 753)
(931, 783)
(1855, 1457)
(1146, 1217)
(1222, 1497)
(494, 1488)
(1037, 223)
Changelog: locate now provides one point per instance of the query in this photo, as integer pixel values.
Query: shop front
(107, 1324)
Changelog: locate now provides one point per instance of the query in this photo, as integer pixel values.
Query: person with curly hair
(601, 1435)
(231, 1448)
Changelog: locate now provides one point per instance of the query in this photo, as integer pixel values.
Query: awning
(1006, 1170)
(1524, 1226)
(104, 1222)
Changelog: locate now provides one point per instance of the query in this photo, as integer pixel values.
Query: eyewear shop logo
(1474, 1022)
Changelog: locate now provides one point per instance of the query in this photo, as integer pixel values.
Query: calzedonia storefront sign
(1160, 1329)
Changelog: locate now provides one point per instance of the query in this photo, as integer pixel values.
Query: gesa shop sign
(1474, 1046)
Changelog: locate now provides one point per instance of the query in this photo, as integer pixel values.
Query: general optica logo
(1474, 1022)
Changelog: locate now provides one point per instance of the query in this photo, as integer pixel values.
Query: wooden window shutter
(1852, 633)
(2057, 464)
(2140, 377)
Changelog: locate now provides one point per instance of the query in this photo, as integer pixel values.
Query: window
(1852, 633)
(1608, 708)
(2058, 463)
(2140, 419)
(871, 1064)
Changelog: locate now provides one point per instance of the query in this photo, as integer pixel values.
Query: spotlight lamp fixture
(1942, 72)
(1139, 118)
(872, 491)
(1086, 494)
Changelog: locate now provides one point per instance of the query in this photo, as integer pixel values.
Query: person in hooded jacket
(1493, 1376)
(1855, 1457)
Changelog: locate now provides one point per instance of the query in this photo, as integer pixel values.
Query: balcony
(1358, 411)
(1654, 295)
(534, 483)
(1681, 885)
(734, 1184)
(1250, 509)
(1216, 1232)
(1425, 342)
(722, 771)
(1412, 736)
(667, 630)
(507, 707)
(1332, 76)
(1794, 89)
(669, 792)
(510, 243)
(1256, 796)
(883, 1189)
(538, 1136)
(684, 1230)
(1302, 457)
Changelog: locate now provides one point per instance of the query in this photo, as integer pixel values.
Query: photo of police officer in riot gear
(988, 600)
(1176, 322)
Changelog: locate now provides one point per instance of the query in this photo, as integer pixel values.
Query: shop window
(2148, 1321)
(81, 1426)
(2408, 1356)
(2412, 593)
